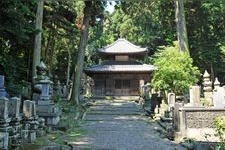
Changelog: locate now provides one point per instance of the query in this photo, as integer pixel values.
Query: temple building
(120, 73)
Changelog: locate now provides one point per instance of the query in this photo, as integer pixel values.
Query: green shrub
(175, 71)
(219, 126)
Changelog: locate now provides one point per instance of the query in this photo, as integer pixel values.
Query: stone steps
(112, 113)
(111, 117)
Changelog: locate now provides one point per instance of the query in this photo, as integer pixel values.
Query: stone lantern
(42, 95)
(207, 89)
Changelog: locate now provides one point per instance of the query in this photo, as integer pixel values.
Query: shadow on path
(120, 125)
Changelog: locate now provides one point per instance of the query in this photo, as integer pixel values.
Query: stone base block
(5, 128)
(52, 120)
(40, 132)
(24, 135)
(4, 140)
(14, 140)
(44, 102)
(202, 134)
(31, 136)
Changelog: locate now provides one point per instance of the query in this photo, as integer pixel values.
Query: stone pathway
(120, 125)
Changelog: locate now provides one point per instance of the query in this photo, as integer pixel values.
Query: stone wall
(197, 119)
(202, 118)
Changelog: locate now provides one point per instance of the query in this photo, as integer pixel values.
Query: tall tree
(181, 26)
(75, 98)
(37, 43)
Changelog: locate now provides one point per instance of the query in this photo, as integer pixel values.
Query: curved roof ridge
(122, 46)
(120, 68)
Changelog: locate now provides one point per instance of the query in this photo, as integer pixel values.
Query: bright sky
(110, 8)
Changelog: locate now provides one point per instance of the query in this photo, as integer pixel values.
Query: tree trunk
(68, 64)
(80, 58)
(37, 42)
(181, 26)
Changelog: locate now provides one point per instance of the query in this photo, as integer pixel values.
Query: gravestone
(194, 95)
(218, 97)
(30, 123)
(14, 114)
(27, 109)
(163, 108)
(57, 92)
(14, 108)
(4, 114)
(2, 86)
(171, 99)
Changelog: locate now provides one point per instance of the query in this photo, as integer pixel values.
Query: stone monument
(218, 95)
(4, 123)
(171, 99)
(14, 114)
(57, 91)
(194, 95)
(207, 89)
(4, 115)
(30, 123)
(42, 95)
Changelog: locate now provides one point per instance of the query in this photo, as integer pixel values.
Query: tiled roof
(122, 46)
(120, 68)
(113, 62)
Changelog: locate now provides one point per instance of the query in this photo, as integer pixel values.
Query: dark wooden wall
(118, 84)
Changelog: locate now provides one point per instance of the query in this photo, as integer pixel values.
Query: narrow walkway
(120, 125)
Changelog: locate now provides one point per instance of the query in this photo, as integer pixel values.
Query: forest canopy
(146, 23)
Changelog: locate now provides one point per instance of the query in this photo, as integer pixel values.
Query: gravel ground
(120, 125)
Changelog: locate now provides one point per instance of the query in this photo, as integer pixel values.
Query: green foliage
(175, 71)
(16, 32)
(205, 26)
(146, 23)
(219, 126)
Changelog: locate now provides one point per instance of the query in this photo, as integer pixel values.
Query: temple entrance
(99, 88)
(122, 87)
